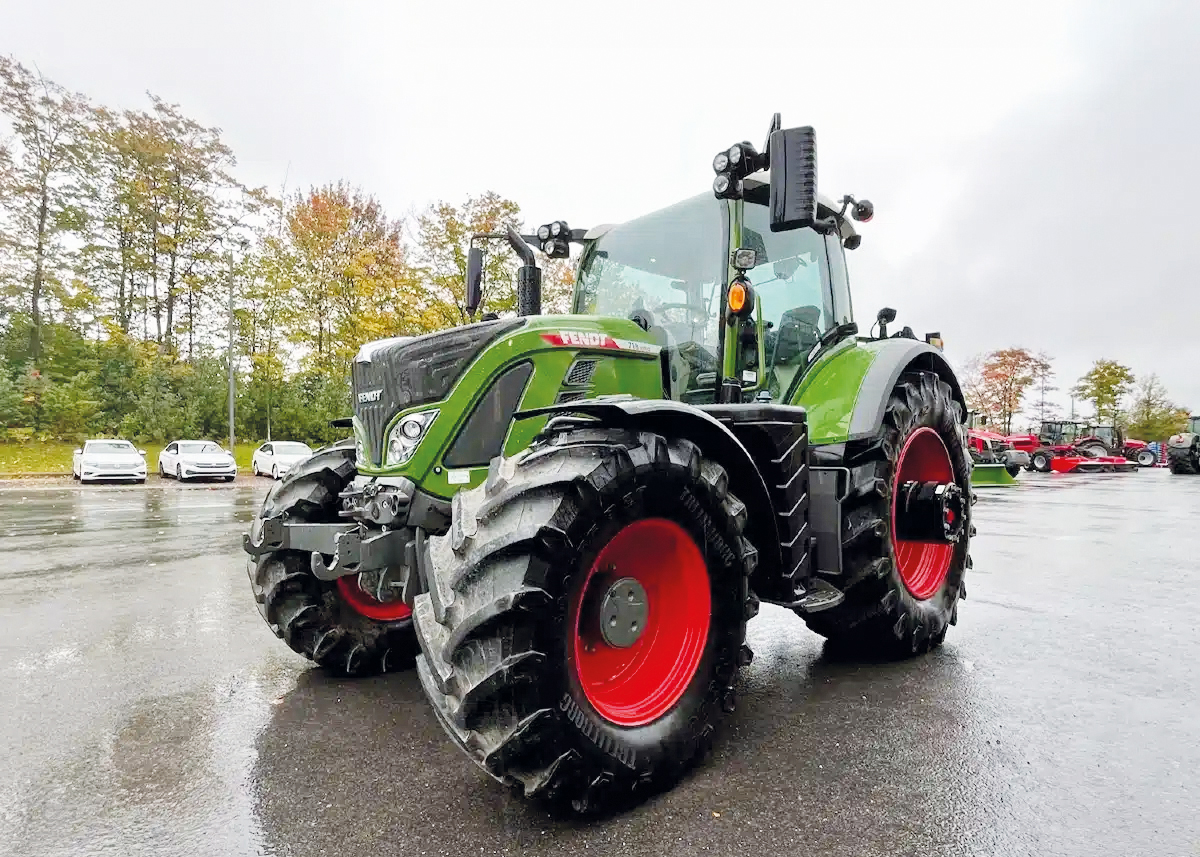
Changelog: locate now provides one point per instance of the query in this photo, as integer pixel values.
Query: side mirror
(474, 279)
(886, 316)
(78, 452)
(793, 160)
(142, 453)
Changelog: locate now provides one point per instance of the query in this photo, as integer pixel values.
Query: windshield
(1194, 425)
(291, 449)
(109, 446)
(791, 280)
(1105, 433)
(205, 448)
(667, 268)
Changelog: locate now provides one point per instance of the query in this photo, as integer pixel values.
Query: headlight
(406, 435)
(735, 155)
(720, 162)
(543, 232)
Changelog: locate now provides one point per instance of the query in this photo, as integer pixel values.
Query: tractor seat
(798, 332)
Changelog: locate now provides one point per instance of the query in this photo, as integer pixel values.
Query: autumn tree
(1152, 415)
(47, 123)
(346, 265)
(996, 383)
(1105, 385)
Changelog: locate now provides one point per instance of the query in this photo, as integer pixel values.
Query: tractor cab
(668, 270)
(1193, 425)
(1057, 433)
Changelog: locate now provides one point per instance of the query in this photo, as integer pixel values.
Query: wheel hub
(623, 612)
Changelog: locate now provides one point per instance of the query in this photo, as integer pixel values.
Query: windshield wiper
(831, 338)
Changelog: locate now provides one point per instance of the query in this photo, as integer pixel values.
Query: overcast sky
(1033, 167)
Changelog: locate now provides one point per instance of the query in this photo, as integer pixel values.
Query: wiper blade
(830, 338)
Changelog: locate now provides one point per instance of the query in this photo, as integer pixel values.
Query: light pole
(229, 357)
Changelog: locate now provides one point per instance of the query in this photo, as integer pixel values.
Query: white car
(109, 459)
(274, 458)
(196, 459)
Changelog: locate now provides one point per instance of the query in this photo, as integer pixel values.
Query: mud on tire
(880, 616)
(310, 614)
(505, 590)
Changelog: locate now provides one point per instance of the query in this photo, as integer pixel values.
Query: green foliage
(1105, 385)
(1153, 416)
(10, 402)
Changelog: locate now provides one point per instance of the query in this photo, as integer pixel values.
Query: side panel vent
(580, 374)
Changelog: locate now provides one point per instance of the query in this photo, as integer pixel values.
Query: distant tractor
(1066, 446)
(1183, 450)
(1111, 440)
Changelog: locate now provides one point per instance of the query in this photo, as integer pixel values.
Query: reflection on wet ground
(147, 710)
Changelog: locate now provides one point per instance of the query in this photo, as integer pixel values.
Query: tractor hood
(390, 375)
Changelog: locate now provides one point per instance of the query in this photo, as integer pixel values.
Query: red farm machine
(996, 461)
(1068, 446)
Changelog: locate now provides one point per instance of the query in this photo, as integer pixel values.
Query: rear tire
(505, 627)
(313, 616)
(900, 597)
(1095, 450)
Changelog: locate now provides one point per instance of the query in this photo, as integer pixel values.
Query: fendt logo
(595, 339)
(370, 396)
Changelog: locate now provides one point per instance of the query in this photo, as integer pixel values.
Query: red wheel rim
(382, 611)
(635, 685)
(923, 566)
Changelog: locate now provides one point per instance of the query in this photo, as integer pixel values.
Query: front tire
(515, 655)
(1185, 463)
(275, 472)
(1040, 460)
(1146, 458)
(334, 623)
(901, 597)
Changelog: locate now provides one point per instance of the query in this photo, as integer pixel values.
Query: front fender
(847, 390)
(676, 419)
(1181, 441)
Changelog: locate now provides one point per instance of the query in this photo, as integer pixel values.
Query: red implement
(1082, 464)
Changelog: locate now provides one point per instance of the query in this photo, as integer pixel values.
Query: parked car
(109, 459)
(196, 459)
(274, 458)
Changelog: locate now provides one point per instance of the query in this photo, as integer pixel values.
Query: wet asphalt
(145, 708)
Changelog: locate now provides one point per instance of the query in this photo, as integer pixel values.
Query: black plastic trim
(481, 437)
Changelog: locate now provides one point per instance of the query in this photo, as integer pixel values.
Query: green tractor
(1183, 450)
(578, 514)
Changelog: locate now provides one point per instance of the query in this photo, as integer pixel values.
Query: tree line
(129, 251)
(1007, 383)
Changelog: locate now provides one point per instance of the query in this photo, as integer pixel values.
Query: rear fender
(846, 391)
(678, 420)
(896, 357)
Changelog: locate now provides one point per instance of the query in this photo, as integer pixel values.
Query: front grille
(570, 396)
(415, 371)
